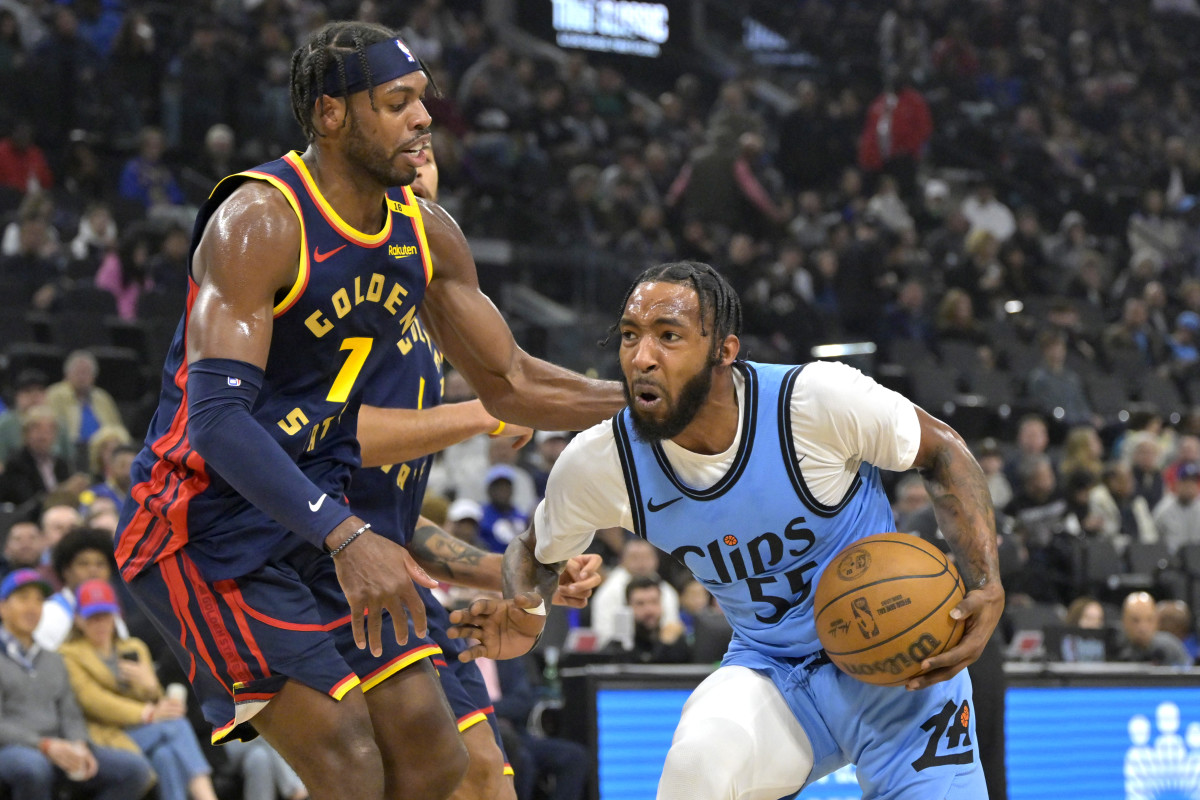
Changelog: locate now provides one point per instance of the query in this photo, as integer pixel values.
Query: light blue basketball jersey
(757, 539)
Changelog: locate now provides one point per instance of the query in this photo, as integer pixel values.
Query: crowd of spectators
(1003, 196)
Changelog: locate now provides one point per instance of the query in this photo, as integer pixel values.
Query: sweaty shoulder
(585, 491)
(842, 416)
(256, 231)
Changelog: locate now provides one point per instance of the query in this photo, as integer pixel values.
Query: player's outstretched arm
(396, 435)
(452, 560)
(249, 251)
(513, 385)
(963, 508)
(510, 627)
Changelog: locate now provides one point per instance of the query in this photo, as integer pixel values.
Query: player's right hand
(376, 573)
(501, 628)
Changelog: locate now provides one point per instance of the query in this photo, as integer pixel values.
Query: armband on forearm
(221, 393)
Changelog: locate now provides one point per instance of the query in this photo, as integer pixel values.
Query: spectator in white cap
(462, 520)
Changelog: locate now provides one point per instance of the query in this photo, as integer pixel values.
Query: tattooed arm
(452, 560)
(504, 628)
(963, 508)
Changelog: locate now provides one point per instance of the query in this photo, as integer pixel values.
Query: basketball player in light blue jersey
(755, 476)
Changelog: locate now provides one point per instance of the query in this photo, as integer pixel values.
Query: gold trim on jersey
(331, 216)
(412, 209)
(302, 271)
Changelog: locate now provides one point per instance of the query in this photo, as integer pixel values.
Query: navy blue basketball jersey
(354, 293)
(409, 376)
(757, 539)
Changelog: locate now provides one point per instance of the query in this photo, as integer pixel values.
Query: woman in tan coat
(124, 703)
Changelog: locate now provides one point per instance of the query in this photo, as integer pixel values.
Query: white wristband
(539, 610)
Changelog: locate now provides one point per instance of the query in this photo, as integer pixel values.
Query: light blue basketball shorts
(906, 745)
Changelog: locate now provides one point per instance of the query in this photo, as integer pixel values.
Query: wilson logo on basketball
(730, 539)
(898, 662)
(853, 565)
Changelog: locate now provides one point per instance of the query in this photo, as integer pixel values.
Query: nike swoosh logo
(315, 507)
(652, 507)
(318, 256)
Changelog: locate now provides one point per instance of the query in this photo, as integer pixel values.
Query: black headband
(388, 60)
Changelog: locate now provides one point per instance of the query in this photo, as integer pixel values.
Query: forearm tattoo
(435, 547)
(962, 505)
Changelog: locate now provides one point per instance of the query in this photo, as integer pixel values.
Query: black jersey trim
(791, 458)
(740, 459)
(629, 473)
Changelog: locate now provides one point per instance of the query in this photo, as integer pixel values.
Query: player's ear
(729, 350)
(329, 113)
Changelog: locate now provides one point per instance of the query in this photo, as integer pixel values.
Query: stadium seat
(1107, 394)
(1147, 558)
(76, 330)
(909, 353)
(1127, 363)
(85, 298)
(122, 373)
(994, 384)
(159, 305)
(960, 356)
(932, 385)
(47, 358)
(1162, 392)
(123, 333)
(14, 327)
(1189, 560)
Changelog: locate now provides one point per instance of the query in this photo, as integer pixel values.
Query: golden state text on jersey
(354, 294)
(410, 376)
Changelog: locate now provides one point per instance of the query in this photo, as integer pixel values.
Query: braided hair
(332, 44)
(715, 295)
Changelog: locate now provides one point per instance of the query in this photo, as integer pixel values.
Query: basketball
(883, 606)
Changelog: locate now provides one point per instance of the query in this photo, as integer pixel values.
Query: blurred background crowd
(992, 207)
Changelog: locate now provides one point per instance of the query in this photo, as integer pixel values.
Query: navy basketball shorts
(241, 639)
(462, 684)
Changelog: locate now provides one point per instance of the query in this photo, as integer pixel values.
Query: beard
(373, 159)
(680, 411)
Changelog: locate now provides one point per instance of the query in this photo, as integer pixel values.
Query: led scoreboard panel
(642, 28)
(1108, 732)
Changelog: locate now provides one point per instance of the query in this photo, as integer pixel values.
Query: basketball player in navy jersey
(755, 476)
(399, 447)
(237, 538)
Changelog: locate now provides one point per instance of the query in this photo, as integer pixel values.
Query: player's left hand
(577, 580)
(501, 628)
(979, 612)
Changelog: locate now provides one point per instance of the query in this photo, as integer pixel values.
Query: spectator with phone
(43, 737)
(123, 701)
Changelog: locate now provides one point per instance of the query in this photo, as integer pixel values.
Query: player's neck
(356, 197)
(715, 425)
